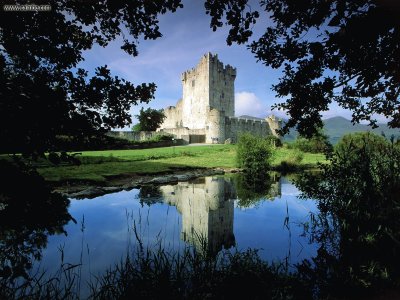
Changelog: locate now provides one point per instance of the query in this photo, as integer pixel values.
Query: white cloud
(247, 103)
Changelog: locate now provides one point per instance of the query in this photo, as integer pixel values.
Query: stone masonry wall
(195, 96)
(173, 116)
(235, 126)
(132, 135)
(222, 90)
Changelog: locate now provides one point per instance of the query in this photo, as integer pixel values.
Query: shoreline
(130, 181)
(88, 189)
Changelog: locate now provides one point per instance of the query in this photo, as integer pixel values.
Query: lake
(184, 214)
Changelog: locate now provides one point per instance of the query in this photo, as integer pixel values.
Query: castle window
(222, 95)
(193, 83)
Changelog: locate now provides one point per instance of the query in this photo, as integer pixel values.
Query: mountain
(336, 127)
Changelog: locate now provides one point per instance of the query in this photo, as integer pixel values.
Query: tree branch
(347, 80)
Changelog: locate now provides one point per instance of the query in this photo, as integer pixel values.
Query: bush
(161, 137)
(253, 154)
(358, 196)
(318, 143)
(274, 141)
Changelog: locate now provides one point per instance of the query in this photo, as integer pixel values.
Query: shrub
(318, 143)
(358, 196)
(253, 154)
(274, 141)
(161, 137)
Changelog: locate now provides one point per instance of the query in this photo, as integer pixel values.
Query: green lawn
(98, 165)
(310, 159)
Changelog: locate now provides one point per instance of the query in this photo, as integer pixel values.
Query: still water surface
(215, 208)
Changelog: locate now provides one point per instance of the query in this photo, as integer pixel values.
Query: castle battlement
(210, 62)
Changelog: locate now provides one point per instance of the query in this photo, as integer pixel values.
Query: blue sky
(186, 37)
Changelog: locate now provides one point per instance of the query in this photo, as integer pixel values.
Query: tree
(43, 91)
(254, 156)
(329, 51)
(317, 143)
(357, 227)
(150, 119)
(136, 127)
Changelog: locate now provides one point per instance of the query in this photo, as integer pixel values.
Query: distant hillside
(336, 127)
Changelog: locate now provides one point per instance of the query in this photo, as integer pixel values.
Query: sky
(186, 37)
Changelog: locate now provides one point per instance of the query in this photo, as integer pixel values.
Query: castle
(206, 112)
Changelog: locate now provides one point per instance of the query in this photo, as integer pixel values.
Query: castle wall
(173, 116)
(235, 126)
(132, 135)
(184, 132)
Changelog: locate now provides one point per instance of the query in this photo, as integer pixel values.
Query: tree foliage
(358, 225)
(340, 51)
(254, 155)
(317, 143)
(150, 119)
(43, 90)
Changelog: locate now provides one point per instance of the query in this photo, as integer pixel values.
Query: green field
(100, 165)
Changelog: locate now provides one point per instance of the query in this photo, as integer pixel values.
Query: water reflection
(28, 216)
(207, 207)
(219, 211)
(251, 190)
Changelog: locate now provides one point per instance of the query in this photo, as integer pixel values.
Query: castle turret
(215, 129)
(274, 124)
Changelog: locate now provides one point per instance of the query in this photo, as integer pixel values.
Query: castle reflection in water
(207, 208)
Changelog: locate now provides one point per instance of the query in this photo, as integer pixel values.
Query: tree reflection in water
(29, 213)
(252, 189)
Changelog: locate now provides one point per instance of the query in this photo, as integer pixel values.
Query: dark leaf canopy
(340, 51)
(42, 92)
(150, 119)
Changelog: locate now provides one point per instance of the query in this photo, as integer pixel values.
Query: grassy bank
(100, 165)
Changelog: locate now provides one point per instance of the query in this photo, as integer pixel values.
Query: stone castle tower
(206, 112)
(209, 85)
